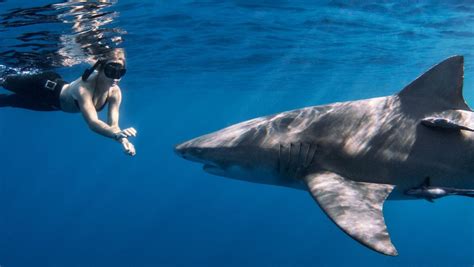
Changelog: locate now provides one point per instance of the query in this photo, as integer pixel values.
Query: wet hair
(114, 54)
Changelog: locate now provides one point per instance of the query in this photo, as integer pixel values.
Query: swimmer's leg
(28, 84)
(18, 101)
(20, 84)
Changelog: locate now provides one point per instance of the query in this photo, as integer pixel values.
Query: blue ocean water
(69, 197)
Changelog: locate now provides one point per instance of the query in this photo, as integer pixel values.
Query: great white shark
(352, 156)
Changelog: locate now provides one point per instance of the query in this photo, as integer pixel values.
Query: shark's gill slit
(279, 167)
(315, 149)
(305, 159)
(299, 154)
(288, 165)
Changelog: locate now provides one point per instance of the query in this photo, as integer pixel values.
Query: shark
(353, 156)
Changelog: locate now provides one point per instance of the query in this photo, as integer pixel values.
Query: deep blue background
(69, 197)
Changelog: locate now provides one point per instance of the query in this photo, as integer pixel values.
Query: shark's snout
(183, 150)
(180, 149)
(191, 150)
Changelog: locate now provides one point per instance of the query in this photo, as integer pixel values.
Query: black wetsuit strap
(57, 92)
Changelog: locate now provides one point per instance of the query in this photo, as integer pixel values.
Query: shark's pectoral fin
(450, 120)
(355, 207)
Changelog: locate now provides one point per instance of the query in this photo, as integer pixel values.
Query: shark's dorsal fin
(355, 207)
(440, 86)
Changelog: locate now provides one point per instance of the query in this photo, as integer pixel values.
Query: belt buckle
(50, 85)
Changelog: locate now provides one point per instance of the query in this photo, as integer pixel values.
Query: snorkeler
(88, 94)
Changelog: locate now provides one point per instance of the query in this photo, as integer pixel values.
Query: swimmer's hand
(121, 136)
(128, 147)
(129, 132)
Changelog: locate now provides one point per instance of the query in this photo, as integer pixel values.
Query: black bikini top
(103, 105)
(99, 109)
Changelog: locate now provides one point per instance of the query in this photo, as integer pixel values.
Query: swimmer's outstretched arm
(95, 124)
(115, 99)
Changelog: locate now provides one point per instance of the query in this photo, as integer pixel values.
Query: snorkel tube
(89, 71)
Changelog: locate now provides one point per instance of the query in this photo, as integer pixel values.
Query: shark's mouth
(213, 169)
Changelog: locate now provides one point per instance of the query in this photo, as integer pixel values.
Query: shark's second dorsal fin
(441, 85)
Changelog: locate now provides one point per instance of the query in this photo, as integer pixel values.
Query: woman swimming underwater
(88, 94)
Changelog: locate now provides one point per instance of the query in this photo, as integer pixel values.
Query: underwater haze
(69, 197)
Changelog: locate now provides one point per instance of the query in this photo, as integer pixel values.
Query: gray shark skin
(352, 156)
